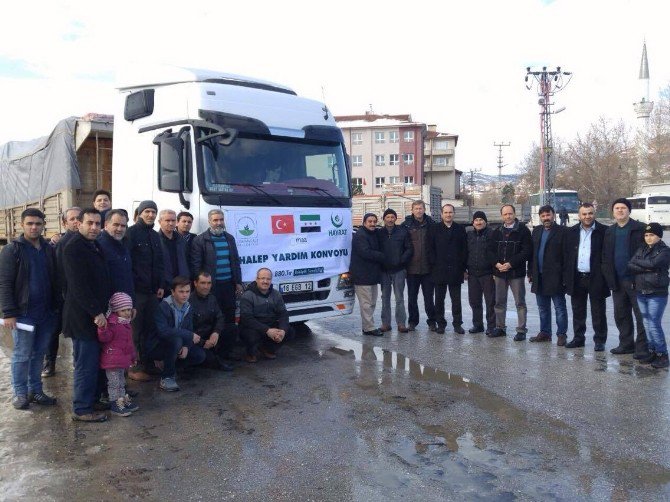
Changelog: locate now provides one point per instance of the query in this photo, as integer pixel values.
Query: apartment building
(386, 151)
(439, 162)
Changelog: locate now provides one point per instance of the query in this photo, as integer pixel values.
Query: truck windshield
(278, 169)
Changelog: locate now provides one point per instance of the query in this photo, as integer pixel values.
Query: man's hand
(10, 323)
(100, 321)
(530, 279)
(196, 339)
(211, 342)
(54, 239)
(133, 315)
(183, 352)
(276, 334)
(160, 293)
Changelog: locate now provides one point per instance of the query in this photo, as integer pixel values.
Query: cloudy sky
(460, 65)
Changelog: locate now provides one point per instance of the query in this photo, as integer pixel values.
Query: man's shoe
(561, 340)
(403, 329)
(411, 327)
(650, 358)
(90, 417)
(49, 368)
(476, 329)
(267, 354)
(432, 326)
(641, 355)
(384, 329)
(101, 405)
(130, 406)
(599, 347)
(519, 337)
(459, 330)
(250, 358)
(574, 343)
(119, 408)
(224, 366)
(139, 376)
(661, 361)
(42, 399)
(169, 384)
(497, 333)
(440, 330)
(132, 393)
(541, 337)
(618, 351)
(20, 402)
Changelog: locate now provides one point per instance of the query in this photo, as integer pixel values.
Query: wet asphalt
(339, 416)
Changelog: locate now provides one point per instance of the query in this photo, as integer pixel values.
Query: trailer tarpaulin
(35, 169)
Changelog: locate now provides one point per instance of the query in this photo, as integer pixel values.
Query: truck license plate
(295, 287)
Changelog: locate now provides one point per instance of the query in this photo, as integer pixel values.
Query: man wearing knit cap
(396, 246)
(144, 245)
(480, 274)
(621, 241)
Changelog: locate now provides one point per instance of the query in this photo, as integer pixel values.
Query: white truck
(193, 140)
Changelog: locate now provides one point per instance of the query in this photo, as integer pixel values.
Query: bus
(274, 163)
(648, 207)
(568, 199)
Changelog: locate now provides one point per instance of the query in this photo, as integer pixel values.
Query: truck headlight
(344, 282)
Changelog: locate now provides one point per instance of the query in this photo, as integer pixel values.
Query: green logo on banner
(336, 220)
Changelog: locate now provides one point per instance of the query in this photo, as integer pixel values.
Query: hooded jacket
(117, 349)
(479, 252)
(167, 327)
(650, 266)
(513, 246)
(396, 247)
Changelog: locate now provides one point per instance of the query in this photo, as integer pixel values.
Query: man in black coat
(146, 255)
(583, 277)
(448, 258)
(173, 247)
(480, 274)
(546, 275)
(395, 244)
(116, 254)
(511, 248)
(29, 297)
(621, 241)
(86, 302)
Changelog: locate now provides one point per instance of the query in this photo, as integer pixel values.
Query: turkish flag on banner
(283, 224)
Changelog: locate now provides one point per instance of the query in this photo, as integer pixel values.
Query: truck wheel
(301, 329)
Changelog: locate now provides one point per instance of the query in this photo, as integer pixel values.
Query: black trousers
(478, 286)
(414, 282)
(144, 325)
(52, 350)
(625, 306)
(255, 339)
(456, 308)
(224, 292)
(598, 318)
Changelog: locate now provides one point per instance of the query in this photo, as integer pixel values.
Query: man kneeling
(174, 337)
(263, 318)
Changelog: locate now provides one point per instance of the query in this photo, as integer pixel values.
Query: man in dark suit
(584, 279)
(448, 258)
(546, 275)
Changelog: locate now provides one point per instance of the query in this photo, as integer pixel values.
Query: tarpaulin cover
(35, 169)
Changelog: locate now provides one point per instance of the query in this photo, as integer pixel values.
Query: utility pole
(471, 184)
(548, 83)
(500, 161)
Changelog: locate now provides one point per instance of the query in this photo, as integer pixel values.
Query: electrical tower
(548, 83)
(471, 184)
(500, 160)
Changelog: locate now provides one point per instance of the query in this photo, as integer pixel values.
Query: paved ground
(342, 417)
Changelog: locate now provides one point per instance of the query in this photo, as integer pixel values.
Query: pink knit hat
(120, 301)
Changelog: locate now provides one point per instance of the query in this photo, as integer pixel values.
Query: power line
(500, 159)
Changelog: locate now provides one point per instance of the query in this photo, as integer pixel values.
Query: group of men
(184, 289)
(587, 261)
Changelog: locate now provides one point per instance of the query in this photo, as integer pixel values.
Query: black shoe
(519, 337)
(132, 393)
(620, 351)
(432, 326)
(223, 366)
(497, 333)
(411, 327)
(574, 343)
(440, 330)
(641, 355)
(459, 330)
(49, 368)
(101, 406)
(42, 399)
(20, 402)
(476, 329)
(599, 347)
(650, 358)
(661, 361)
(90, 417)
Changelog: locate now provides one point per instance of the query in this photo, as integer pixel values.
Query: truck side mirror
(139, 104)
(170, 162)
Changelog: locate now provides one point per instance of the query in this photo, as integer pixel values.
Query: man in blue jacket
(174, 337)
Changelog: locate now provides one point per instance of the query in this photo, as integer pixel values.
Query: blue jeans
(544, 306)
(652, 308)
(29, 350)
(86, 355)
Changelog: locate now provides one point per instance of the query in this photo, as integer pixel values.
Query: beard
(217, 231)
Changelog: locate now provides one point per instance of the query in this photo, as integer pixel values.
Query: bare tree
(658, 142)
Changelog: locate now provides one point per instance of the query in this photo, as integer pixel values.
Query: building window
(408, 136)
(379, 182)
(394, 159)
(356, 138)
(357, 160)
(394, 179)
(408, 158)
(379, 160)
(394, 137)
(379, 137)
(440, 145)
(357, 182)
(426, 162)
(440, 161)
(409, 180)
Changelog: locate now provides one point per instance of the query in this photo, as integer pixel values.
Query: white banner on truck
(294, 243)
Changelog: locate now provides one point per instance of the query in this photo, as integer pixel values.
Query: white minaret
(643, 110)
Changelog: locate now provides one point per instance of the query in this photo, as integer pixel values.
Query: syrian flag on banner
(310, 223)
